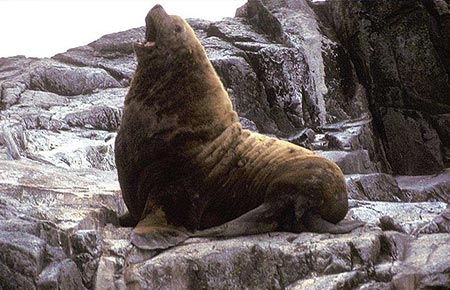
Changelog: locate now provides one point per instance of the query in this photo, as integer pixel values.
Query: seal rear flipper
(315, 223)
(262, 219)
(149, 234)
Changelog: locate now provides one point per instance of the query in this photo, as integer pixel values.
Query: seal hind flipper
(261, 219)
(315, 223)
(153, 233)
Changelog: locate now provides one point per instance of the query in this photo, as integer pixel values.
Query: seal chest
(187, 168)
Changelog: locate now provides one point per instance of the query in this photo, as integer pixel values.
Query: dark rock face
(286, 73)
(293, 64)
(365, 83)
(401, 54)
(423, 149)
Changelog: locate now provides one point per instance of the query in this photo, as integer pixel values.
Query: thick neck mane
(185, 89)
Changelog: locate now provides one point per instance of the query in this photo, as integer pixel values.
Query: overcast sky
(42, 28)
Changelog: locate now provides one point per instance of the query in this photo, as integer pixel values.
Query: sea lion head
(168, 38)
(335, 203)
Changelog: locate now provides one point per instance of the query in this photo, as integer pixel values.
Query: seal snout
(154, 17)
(150, 30)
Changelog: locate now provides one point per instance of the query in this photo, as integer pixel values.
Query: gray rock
(51, 221)
(86, 246)
(351, 162)
(373, 187)
(72, 149)
(426, 187)
(235, 30)
(12, 137)
(64, 275)
(22, 255)
(345, 280)
(12, 67)
(442, 126)
(31, 182)
(355, 134)
(247, 95)
(304, 138)
(117, 251)
(291, 260)
(410, 217)
(248, 124)
(413, 145)
(283, 80)
(440, 224)
(112, 53)
(392, 44)
(98, 117)
(68, 80)
(422, 268)
(351, 134)
(281, 259)
(63, 131)
(42, 100)
(10, 93)
(287, 65)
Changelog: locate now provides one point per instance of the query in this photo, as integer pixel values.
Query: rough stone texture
(350, 162)
(408, 218)
(401, 54)
(410, 137)
(425, 188)
(279, 66)
(365, 83)
(422, 271)
(112, 53)
(376, 186)
(50, 224)
(69, 81)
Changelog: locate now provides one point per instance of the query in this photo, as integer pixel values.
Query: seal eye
(178, 28)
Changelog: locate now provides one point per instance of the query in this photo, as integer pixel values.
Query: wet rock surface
(364, 83)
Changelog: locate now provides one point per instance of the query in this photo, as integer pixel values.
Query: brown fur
(181, 150)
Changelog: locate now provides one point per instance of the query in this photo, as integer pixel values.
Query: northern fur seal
(187, 168)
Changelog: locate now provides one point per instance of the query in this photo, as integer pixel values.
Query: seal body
(187, 168)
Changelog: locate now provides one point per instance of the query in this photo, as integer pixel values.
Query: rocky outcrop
(67, 237)
(401, 55)
(364, 83)
(51, 220)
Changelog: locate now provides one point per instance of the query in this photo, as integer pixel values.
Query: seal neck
(169, 73)
(185, 89)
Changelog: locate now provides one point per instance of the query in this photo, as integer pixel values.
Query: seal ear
(153, 233)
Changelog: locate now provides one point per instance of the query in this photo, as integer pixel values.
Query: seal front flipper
(153, 232)
(261, 219)
(316, 224)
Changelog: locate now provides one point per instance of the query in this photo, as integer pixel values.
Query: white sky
(43, 28)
